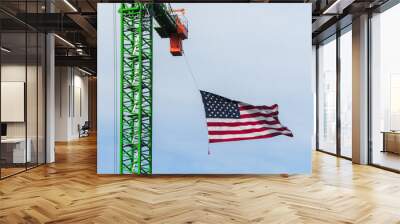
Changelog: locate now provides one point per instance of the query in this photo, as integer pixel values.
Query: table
(16, 147)
(391, 141)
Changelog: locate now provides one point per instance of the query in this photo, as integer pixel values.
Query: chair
(84, 130)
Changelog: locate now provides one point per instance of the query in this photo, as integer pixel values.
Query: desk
(16, 147)
(391, 141)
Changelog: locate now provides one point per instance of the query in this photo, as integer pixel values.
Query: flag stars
(220, 107)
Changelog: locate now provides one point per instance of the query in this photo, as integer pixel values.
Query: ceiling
(75, 22)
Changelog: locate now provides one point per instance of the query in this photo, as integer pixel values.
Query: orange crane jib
(176, 39)
(172, 26)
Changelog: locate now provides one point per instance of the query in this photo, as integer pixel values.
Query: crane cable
(197, 86)
(191, 71)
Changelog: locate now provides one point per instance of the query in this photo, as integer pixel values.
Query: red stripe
(248, 131)
(261, 110)
(273, 114)
(236, 124)
(248, 138)
(249, 107)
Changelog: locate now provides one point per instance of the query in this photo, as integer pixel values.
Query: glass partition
(22, 101)
(14, 153)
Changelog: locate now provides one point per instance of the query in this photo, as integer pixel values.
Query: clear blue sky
(255, 53)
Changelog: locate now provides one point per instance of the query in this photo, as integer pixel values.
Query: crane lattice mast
(136, 78)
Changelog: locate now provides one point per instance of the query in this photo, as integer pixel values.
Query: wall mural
(203, 98)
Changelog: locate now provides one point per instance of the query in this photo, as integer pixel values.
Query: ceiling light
(337, 7)
(70, 5)
(64, 40)
(84, 71)
(5, 50)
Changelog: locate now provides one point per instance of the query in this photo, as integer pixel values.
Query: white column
(50, 100)
(360, 90)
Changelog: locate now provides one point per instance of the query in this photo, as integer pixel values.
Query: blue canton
(219, 107)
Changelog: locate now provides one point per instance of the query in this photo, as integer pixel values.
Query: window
(327, 96)
(385, 89)
(334, 106)
(346, 93)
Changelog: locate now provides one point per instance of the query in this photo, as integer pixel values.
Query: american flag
(229, 120)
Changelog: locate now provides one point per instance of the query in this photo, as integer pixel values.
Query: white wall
(81, 97)
(16, 73)
(33, 127)
(71, 102)
(62, 82)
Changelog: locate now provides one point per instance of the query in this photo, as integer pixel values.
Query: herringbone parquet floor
(70, 191)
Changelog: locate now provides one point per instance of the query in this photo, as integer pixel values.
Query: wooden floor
(5, 172)
(70, 191)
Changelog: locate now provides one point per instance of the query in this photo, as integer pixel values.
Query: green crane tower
(137, 79)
